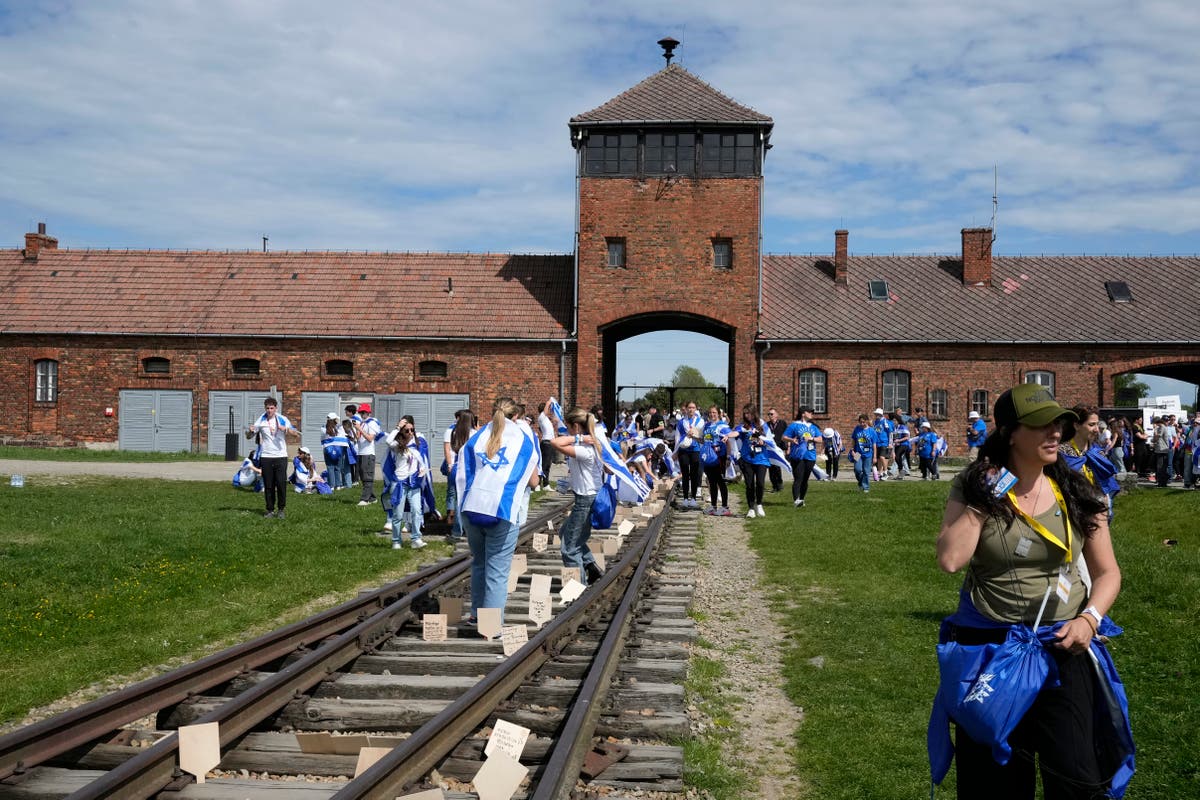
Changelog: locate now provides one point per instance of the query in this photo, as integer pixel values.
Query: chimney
(977, 256)
(841, 266)
(36, 242)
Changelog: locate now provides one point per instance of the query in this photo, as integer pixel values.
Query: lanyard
(1040, 528)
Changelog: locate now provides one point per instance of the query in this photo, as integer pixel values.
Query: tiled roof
(1032, 299)
(286, 293)
(672, 95)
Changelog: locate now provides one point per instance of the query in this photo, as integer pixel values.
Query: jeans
(456, 529)
(755, 475)
(491, 560)
(339, 473)
(274, 478)
(414, 514)
(862, 472)
(574, 536)
(801, 470)
(366, 468)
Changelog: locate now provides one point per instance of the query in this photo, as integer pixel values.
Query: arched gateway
(669, 226)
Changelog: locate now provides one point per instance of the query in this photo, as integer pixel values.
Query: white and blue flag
(775, 455)
(614, 464)
(557, 412)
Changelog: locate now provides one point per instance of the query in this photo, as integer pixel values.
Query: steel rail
(409, 761)
(561, 770)
(154, 769)
(34, 744)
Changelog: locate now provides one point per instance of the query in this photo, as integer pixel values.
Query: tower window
(612, 154)
(729, 154)
(616, 252)
(670, 154)
(722, 253)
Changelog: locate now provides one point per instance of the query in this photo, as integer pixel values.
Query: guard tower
(670, 190)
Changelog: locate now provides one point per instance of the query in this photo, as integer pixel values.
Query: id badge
(1023, 546)
(1005, 480)
(1063, 590)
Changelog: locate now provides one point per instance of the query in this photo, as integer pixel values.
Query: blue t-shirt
(927, 444)
(713, 435)
(681, 430)
(750, 451)
(863, 440)
(900, 436)
(806, 434)
(977, 433)
(883, 432)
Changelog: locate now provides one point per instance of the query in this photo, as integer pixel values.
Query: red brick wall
(854, 379)
(668, 227)
(93, 371)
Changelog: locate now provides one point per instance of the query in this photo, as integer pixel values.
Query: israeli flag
(776, 456)
(614, 464)
(557, 412)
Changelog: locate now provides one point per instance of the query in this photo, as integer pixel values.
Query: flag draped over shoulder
(775, 455)
(614, 464)
(557, 412)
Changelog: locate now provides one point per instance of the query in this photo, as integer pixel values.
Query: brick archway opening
(620, 330)
(1185, 371)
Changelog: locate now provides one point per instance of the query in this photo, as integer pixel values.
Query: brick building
(171, 350)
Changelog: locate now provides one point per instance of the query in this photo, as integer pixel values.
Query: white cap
(306, 451)
(332, 415)
(973, 415)
(828, 432)
(926, 425)
(879, 411)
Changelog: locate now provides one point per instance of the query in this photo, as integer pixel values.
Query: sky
(406, 126)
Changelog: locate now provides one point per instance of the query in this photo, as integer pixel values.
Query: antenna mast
(995, 198)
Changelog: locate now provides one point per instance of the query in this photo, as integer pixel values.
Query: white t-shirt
(584, 471)
(271, 438)
(545, 427)
(370, 429)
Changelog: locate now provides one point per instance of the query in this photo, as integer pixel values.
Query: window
(246, 367)
(616, 253)
(878, 290)
(811, 391)
(729, 154)
(670, 154)
(433, 369)
(1118, 291)
(937, 404)
(156, 365)
(612, 154)
(339, 368)
(1041, 378)
(722, 253)
(895, 389)
(46, 375)
(979, 402)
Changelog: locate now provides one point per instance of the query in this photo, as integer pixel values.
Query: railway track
(596, 686)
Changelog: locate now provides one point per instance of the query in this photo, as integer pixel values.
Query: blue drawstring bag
(324, 488)
(604, 507)
(708, 455)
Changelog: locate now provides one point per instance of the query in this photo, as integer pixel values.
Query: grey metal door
(155, 420)
(246, 406)
(431, 413)
(314, 408)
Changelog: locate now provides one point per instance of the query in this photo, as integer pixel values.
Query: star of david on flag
(500, 461)
(614, 464)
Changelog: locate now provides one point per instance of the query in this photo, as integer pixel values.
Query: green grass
(86, 454)
(103, 577)
(856, 580)
(709, 762)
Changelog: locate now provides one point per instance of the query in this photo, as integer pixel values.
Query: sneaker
(269, 515)
(750, 514)
(725, 512)
(279, 515)
(417, 544)
(362, 503)
(387, 526)
(711, 510)
(396, 545)
(797, 503)
(760, 511)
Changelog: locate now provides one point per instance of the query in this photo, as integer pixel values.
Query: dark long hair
(463, 422)
(1082, 499)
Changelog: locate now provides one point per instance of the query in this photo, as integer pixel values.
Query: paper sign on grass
(540, 542)
(571, 590)
(499, 778)
(199, 748)
(507, 738)
(433, 627)
(489, 622)
(452, 607)
(367, 758)
(513, 637)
